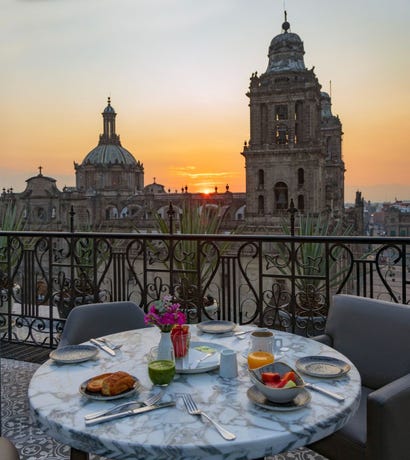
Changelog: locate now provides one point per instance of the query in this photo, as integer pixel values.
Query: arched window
(301, 203)
(261, 179)
(261, 204)
(301, 176)
(281, 195)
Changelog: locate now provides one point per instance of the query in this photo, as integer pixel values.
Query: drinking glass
(161, 371)
(261, 349)
(180, 337)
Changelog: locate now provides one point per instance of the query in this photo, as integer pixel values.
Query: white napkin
(193, 355)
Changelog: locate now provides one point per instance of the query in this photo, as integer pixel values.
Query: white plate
(258, 398)
(100, 397)
(209, 364)
(322, 366)
(73, 354)
(216, 326)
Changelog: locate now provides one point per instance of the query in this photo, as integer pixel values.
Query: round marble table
(171, 433)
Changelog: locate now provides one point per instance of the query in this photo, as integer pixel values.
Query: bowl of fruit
(277, 381)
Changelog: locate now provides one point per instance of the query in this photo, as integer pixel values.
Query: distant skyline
(177, 72)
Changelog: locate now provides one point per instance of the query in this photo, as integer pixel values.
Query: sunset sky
(177, 72)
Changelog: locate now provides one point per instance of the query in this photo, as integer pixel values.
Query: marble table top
(59, 408)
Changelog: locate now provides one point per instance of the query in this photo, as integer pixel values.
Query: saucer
(216, 326)
(73, 354)
(322, 366)
(258, 398)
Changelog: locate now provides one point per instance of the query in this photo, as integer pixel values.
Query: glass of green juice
(161, 371)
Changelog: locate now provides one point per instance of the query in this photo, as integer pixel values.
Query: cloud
(188, 171)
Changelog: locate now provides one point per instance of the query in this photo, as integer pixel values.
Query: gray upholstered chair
(98, 319)
(95, 320)
(374, 335)
(7, 450)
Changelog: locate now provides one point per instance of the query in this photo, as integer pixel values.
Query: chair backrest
(7, 450)
(98, 319)
(374, 335)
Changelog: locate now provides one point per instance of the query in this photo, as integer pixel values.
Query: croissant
(95, 384)
(117, 383)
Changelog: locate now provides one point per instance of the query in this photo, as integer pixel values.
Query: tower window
(301, 176)
(261, 205)
(281, 195)
(301, 202)
(261, 179)
(281, 134)
(264, 124)
(281, 112)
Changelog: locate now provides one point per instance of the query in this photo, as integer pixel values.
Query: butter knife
(126, 413)
(103, 346)
(336, 396)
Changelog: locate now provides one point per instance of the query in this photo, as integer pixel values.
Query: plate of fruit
(278, 382)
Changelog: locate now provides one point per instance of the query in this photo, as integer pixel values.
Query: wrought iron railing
(285, 282)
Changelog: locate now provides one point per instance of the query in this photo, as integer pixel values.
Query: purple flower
(165, 314)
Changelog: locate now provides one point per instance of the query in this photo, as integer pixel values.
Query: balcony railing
(285, 282)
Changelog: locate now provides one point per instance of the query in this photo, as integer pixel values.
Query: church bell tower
(286, 157)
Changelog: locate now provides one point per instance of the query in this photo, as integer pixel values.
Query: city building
(293, 157)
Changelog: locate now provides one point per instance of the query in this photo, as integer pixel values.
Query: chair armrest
(324, 338)
(388, 409)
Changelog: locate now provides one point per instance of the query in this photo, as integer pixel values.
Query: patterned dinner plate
(100, 397)
(322, 366)
(73, 354)
(258, 398)
(216, 326)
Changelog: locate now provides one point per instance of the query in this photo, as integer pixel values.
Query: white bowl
(278, 395)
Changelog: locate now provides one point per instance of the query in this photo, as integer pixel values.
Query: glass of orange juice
(259, 358)
(261, 348)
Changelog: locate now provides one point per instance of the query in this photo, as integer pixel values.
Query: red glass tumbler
(180, 339)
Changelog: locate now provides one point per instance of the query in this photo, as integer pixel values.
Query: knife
(104, 347)
(126, 413)
(337, 396)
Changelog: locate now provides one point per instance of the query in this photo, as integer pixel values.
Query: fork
(148, 402)
(192, 409)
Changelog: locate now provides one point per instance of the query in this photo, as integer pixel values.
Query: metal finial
(72, 214)
(292, 210)
(171, 214)
(286, 25)
(109, 100)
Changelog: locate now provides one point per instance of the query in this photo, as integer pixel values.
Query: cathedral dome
(109, 154)
(109, 149)
(286, 52)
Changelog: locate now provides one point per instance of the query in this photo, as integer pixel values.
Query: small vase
(165, 347)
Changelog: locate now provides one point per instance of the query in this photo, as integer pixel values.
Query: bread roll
(117, 383)
(95, 384)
